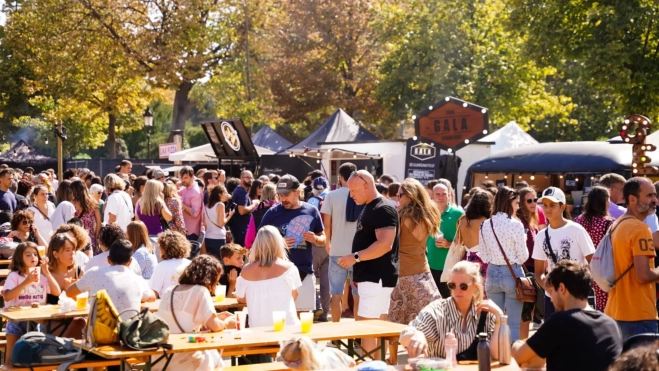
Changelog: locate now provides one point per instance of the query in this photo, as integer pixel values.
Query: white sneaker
(536, 326)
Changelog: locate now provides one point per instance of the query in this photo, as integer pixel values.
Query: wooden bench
(77, 366)
(271, 366)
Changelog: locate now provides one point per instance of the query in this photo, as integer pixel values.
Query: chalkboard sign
(421, 161)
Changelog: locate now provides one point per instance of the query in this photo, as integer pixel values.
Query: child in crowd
(138, 235)
(26, 287)
(302, 353)
(232, 256)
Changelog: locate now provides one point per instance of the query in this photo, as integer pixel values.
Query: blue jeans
(631, 328)
(501, 289)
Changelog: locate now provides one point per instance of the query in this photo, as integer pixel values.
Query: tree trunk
(182, 105)
(112, 137)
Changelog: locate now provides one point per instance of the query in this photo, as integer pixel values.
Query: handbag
(525, 288)
(144, 331)
(456, 253)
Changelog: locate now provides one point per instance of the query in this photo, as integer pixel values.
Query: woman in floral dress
(173, 202)
(87, 211)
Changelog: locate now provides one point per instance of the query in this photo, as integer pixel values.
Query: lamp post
(148, 125)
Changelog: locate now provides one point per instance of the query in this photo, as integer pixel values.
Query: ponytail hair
(301, 353)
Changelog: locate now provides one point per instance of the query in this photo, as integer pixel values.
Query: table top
(4, 273)
(260, 337)
(43, 313)
(226, 304)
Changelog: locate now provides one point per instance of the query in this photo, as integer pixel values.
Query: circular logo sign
(230, 136)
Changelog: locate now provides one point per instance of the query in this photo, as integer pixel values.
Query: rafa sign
(452, 123)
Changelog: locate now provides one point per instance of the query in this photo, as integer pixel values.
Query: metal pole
(148, 150)
(60, 154)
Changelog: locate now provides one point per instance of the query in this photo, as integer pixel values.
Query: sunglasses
(531, 200)
(360, 177)
(26, 222)
(463, 286)
(401, 194)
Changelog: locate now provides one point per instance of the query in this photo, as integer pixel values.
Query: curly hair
(480, 206)
(173, 245)
(642, 359)
(110, 233)
(203, 270)
(79, 234)
(18, 218)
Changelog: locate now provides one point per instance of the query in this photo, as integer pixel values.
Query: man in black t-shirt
(375, 250)
(576, 337)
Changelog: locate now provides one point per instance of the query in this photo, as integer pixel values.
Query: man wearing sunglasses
(593, 342)
(374, 250)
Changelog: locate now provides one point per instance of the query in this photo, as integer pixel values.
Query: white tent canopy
(509, 136)
(205, 153)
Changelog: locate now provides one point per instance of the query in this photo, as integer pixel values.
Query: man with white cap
(563, 239)
(159, 175)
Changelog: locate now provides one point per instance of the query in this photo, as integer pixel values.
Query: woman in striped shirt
(465, 314)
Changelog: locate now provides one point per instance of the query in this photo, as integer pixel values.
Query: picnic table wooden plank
(226, 304)
(4, 273)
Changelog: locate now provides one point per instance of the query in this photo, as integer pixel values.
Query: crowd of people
(378, 249)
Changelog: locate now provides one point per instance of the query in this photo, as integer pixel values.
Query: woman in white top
(119, 207)
(42, 210)
(188, 307)
(142, 248)
(215, 218)
(174, 249)
(500, 284)
(270, 281)
(65, 209)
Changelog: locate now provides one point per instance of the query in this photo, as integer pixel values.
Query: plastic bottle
(504, 341)
(451, 349)
(484, 358)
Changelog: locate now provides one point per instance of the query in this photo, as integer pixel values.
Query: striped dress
(442, 316)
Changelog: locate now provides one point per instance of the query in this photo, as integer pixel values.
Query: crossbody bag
(525, 288)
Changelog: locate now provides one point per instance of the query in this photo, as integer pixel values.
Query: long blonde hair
(169, 190)
(301, 353)
(268, 246)
(421, 210)
(151, 197)
(473, 270)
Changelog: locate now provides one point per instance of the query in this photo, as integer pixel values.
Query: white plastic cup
(38, 269)
(242, 320)
(306, 321)
(220, 293)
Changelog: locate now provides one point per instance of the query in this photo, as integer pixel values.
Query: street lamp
(148, 125)
(46, 141)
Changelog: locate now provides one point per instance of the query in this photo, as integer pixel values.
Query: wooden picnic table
(226, 304)
(4, 273)
(256, 340)
(5, 262)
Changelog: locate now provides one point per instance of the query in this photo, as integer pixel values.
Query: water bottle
(504, 341)
(484, 358)
(451, 349)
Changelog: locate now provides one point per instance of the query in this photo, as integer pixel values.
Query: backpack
(36, 348)
(144, 331)
(320, 200)
(103, 320)
(602, 266)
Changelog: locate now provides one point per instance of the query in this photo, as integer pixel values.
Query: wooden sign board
(229, 139)
(452, 123)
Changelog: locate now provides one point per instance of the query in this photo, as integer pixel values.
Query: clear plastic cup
(81, 300)
(38, 269)
(242, 321)
(220, 293)
(306, 321)
(41, 250)
(278, 320)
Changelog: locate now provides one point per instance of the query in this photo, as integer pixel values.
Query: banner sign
(421, 161)
(452, 123)
(166, 149)
(229, 139)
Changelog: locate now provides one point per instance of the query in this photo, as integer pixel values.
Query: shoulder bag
(171, 306)
(525, 288)
(456, 253)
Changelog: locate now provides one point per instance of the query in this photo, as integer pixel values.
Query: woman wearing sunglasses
(504, 233)
(528, 215)
(465, 314)
(22, 229)
(416, 288)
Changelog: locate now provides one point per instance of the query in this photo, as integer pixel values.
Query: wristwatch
(356, 257)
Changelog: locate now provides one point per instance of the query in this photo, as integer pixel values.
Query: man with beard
(192, 203)
(301, 225)
(240, 199)
(632, 302)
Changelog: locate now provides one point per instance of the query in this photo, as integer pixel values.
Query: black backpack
(36, 348)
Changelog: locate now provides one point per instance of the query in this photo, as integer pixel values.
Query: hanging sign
(421, 161)
(634, 130)
(452, 123)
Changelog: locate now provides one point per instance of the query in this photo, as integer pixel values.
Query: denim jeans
(500, 288)
(631, 328)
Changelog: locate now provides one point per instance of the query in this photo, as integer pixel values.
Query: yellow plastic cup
(41, 250)
(81, 300)
(306, 321)
(279, 320)
(220, 293)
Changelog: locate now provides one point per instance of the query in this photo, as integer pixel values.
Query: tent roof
(270, 139)
(204, 153)
(23, 153)
(339, 127)
(509, 136)
(565, 157)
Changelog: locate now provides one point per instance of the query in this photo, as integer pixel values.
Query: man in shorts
(374, 251)
(340, 231)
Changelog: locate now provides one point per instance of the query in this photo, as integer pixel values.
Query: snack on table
(35, 305)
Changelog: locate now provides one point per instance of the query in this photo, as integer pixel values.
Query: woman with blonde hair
(464, 313)
(118, 207)
(302, 353)
(151, 208)
(143, 252)
(419, 219)
(270, 281)
(173, 202)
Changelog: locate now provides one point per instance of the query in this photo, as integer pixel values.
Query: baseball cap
(157, 174)
(96, 188)
(320, 184)
(287, 184)
(553, 194)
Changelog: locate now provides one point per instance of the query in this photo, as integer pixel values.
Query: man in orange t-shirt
(632, 302)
